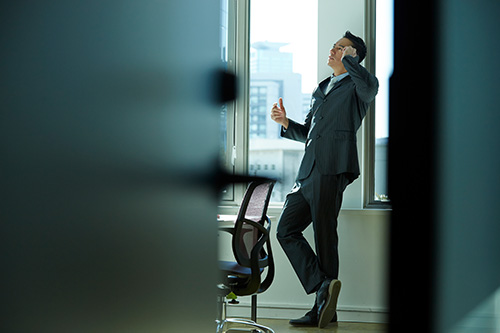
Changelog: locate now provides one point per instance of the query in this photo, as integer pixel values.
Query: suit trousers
(317, 200)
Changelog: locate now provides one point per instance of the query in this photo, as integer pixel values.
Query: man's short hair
(358, 44)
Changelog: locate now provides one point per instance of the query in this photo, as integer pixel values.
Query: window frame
(228, 163)
(237, 125)
(369, 121)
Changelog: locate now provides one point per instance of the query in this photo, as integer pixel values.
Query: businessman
(330, 163)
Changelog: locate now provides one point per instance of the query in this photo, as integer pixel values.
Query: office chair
(252, 251)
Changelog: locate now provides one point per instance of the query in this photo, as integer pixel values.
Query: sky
(294, 22)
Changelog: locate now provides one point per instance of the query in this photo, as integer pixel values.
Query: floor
(282, 326)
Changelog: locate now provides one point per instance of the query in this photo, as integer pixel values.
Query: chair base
(235, 324)
(249, 326)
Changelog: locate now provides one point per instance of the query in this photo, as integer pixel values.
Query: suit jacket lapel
(321, 88)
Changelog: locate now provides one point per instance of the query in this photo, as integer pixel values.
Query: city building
(272, 77)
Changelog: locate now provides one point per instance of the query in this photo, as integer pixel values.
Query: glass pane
(226, 129)
(283, 63)
(383, 69)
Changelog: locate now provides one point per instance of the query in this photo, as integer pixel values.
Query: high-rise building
(266, 57)
(272, 77)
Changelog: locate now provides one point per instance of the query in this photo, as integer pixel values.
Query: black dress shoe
(326, 301)
(310, 319)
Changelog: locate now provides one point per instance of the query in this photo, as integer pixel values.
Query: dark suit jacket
(330, 127)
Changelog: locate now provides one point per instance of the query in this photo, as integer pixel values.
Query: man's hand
(349, 50)
(278, 114)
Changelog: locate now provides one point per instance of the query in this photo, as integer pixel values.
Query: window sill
(275, 210)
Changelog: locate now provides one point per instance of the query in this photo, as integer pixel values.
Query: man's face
(336, 51)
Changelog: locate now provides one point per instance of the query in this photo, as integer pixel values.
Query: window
(283, 53)
(379, 23)
(383, 69)
(275, 58)
(233, 46)
(227, 55)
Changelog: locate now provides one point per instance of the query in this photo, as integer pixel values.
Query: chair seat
(232, 267)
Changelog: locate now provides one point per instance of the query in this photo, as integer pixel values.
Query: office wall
(363, 233)
(363, 245)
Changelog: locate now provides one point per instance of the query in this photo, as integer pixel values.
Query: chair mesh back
(253, 208)
(256, 209)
